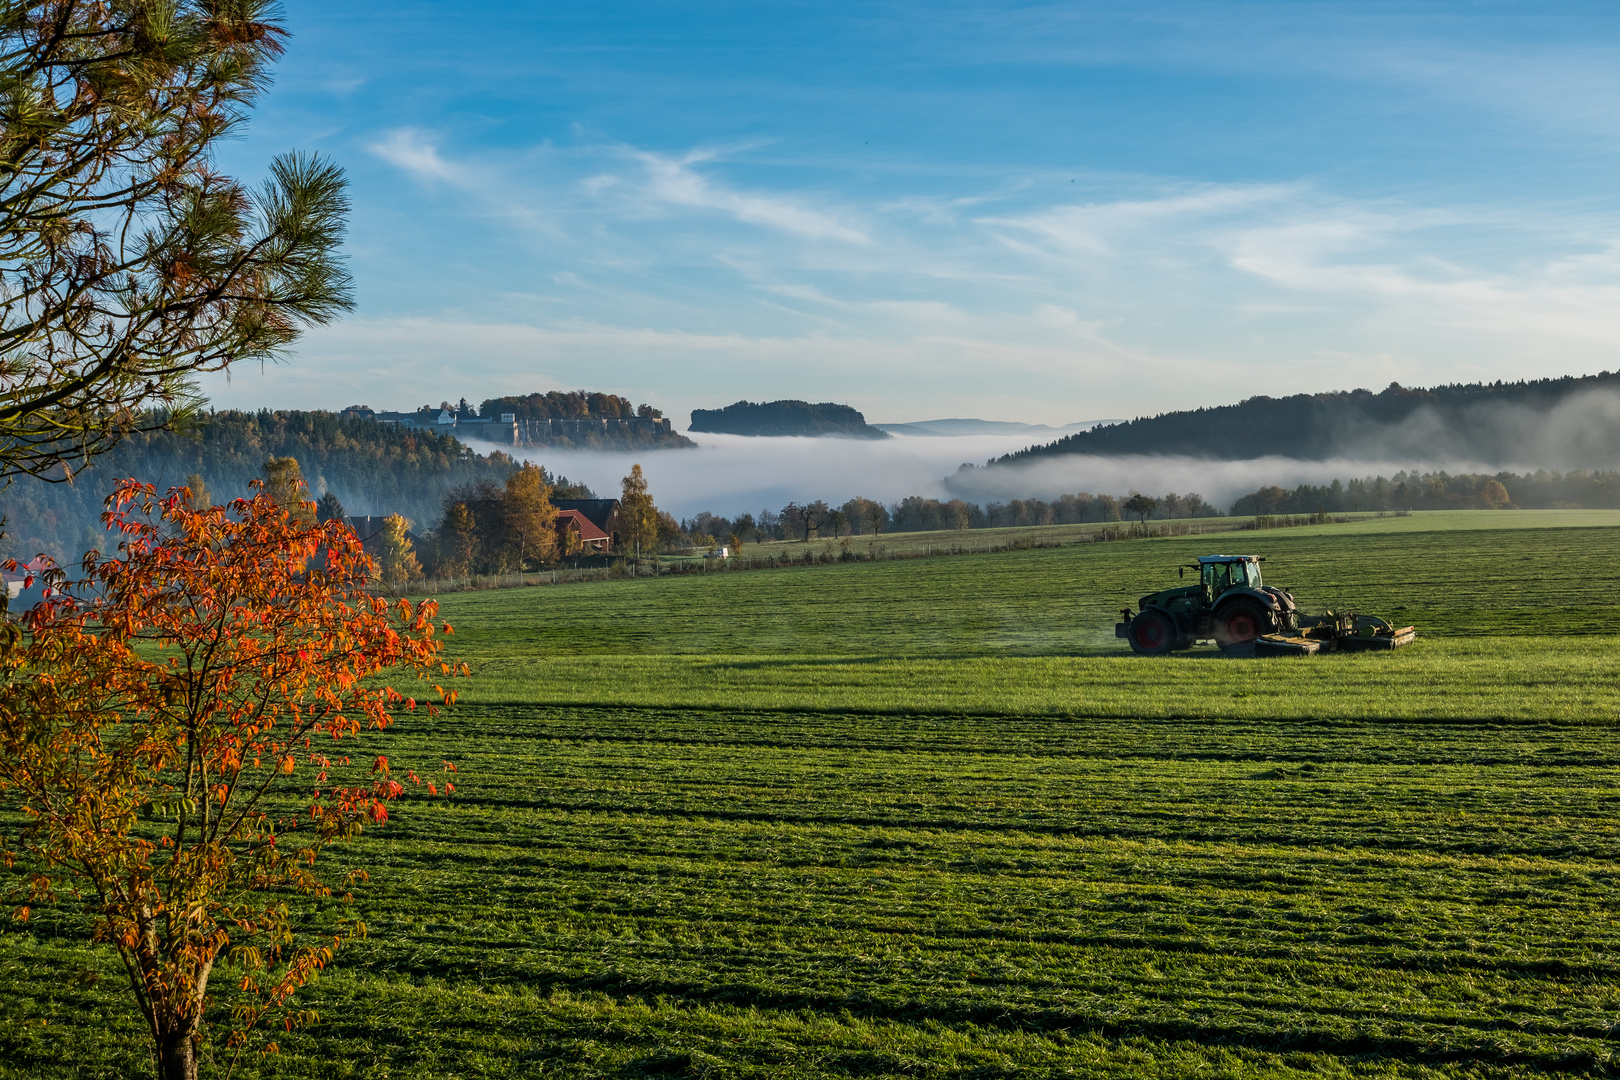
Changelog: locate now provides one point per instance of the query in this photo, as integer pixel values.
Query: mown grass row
(1563, 679)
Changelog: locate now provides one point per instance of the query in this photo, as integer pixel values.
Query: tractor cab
(1222, 572)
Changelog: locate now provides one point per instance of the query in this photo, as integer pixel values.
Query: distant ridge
(785, 418)
(957, 425)
(1571, 422)
(373, 469)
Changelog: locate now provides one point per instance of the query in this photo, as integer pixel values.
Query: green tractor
(1231, 606)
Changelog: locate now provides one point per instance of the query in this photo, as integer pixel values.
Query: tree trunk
(177, 1056)
(179, 1024)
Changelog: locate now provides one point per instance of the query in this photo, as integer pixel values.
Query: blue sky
(1045, 212)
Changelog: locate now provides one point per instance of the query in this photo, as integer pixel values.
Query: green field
(928, 818)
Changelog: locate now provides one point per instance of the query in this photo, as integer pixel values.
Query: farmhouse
(602, 515)
(591, 538)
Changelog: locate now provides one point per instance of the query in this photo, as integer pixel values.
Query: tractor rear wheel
(1240, 622)
(1152, 634)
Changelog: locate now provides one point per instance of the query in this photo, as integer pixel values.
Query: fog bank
(730, 474)
(1219, 482)
(1581, 431)
(1508, 426)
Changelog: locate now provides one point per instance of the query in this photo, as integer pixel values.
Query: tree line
(1412, 490)
(867, 517)
(1541, 490)
(487, 528)
(567, 405)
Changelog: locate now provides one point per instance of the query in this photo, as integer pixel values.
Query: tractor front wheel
(1152, 634)
(1240, 623)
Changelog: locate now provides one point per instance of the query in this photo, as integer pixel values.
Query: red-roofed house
(591, 538)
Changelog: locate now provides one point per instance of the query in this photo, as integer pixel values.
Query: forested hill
(1570, 422)
(373, 468)
(581, 419)
(565, 405)
(779, 418)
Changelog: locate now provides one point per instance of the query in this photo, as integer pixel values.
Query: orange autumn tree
(176, 727)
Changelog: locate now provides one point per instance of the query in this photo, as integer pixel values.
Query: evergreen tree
(475, 509)
(128, 261)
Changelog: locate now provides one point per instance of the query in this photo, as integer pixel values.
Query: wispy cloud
(1559, 88)
(1394, 260)
(414, 152)
(1096, 227)
(343, 87)
(676, 182)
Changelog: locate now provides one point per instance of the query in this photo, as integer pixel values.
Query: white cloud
(411, 150)
(677, 183)
(1097, 228)
(1569, 89)
(1381, 258)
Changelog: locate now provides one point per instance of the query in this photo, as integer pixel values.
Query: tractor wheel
(1240, 623)
(1152, 634)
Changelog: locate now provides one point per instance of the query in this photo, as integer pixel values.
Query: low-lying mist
(730, 474)
(1581, 431)
(1498, 427)
(1219, 482)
